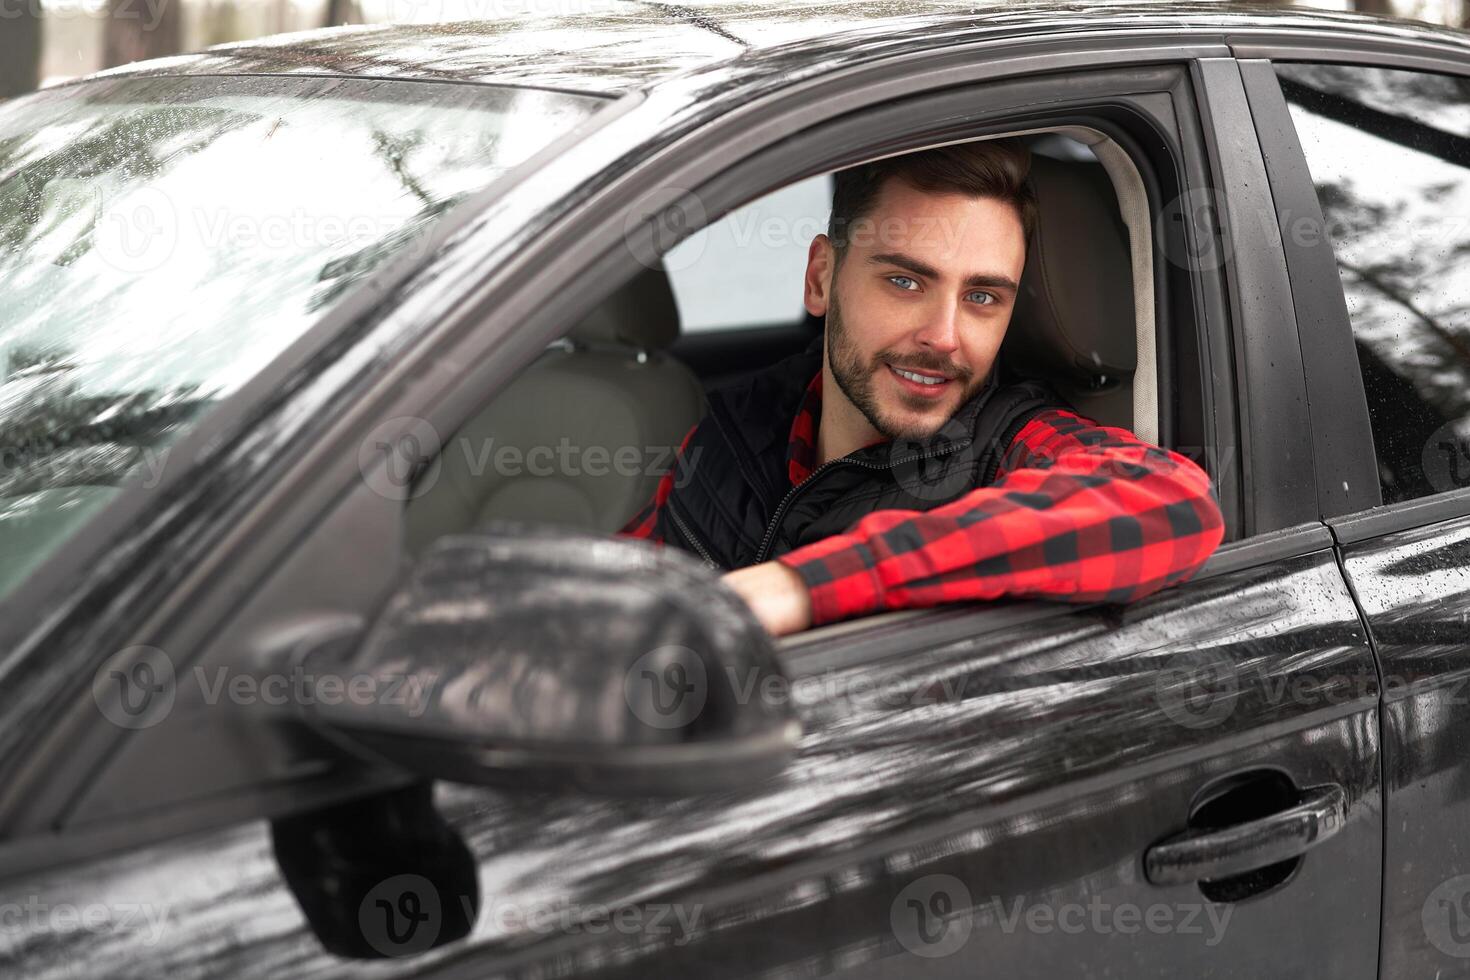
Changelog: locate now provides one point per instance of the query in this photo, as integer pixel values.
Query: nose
(940, 332)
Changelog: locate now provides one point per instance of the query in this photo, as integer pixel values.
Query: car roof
(611, 47)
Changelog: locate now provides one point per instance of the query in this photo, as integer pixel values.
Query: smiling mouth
(919, 378)
(920, 384)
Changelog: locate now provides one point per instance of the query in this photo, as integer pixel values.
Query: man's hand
(776, 594)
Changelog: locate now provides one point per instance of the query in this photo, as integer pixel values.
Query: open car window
(586, 434)
(745, 270)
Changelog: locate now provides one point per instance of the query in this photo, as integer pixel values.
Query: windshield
(162, 239)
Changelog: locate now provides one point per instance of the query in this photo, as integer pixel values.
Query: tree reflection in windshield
(45, 188)
(55, 436)
(162, 239)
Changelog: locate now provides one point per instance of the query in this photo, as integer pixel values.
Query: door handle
(1198, 855)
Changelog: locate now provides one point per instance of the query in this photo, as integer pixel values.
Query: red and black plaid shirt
(1077, 511)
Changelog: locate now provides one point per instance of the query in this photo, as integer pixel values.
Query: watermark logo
(1100, 917)
(136, 687)
(568, 459)
(935, 917)
(662, 218)
(141, 922)
(1446, 917)
(1198, 689)
(1446, 459)
(138, 232)
(150, 12)
(667, 687)
(932, 917)
(926, 469)
(401, 916)
(299, 686)
(675, 924)
(1203, 209)
(400, 458)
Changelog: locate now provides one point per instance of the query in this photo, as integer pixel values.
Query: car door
(1186, 785)
(1393, 308)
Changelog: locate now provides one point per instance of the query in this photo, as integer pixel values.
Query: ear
(821, 264)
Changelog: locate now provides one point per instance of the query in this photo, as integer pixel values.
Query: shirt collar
(801, 447)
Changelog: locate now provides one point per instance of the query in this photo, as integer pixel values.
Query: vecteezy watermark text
(406, 913)
(402, 458)
(138, 686)
(36, 917)
(935, 916)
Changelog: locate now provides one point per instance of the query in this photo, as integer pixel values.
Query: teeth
(921, 379)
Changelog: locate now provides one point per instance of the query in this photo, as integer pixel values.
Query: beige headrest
(641, 314)
(1073, 321)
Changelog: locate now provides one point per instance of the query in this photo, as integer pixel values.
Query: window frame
(1277, 491)
(1338, 411)
(1347, 480)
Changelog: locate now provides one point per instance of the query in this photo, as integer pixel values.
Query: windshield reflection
(162, 239)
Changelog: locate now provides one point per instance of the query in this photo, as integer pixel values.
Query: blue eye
(900, 280)
(988, 298)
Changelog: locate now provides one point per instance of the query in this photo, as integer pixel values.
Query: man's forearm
(1080, 512)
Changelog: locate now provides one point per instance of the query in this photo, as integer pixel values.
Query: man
(889, 467)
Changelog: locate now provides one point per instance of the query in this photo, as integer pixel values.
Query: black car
(331, 364)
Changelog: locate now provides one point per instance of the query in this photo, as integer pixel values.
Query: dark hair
(985, 168)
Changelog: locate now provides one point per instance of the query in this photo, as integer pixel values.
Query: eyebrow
(990, 279)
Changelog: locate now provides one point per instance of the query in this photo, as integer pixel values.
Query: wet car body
(977, 788)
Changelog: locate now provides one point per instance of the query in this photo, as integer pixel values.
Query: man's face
(918, 305)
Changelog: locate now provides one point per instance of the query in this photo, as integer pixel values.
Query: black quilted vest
(733, 503)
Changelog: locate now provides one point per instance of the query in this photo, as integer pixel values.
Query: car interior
(635, 371)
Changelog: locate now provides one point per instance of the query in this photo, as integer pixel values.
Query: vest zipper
(791, 494)
(1005, 440)
(689, 536)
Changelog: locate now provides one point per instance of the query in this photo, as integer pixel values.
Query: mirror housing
(544, 657)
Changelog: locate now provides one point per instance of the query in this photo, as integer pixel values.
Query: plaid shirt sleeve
(1078, 511)
(645, 523)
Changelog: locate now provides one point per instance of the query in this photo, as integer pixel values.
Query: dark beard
(856, 378)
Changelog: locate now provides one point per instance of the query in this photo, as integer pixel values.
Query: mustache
(925, 361)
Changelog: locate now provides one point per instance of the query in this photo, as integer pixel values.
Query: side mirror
(546, 657)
